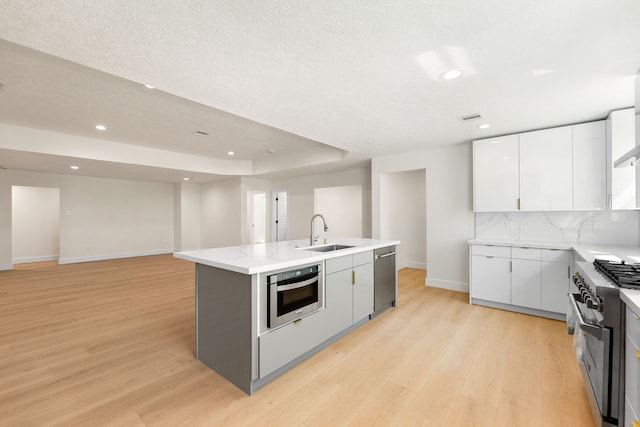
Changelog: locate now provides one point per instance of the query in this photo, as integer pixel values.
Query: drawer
(333, 265)
(362, 258)
(633, 326)
(556, 255)
(489, 250)
(526, 253)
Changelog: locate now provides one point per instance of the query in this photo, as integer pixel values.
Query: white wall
(35, 213)
(100, 218)
(403, 215)
(301, 197)
(220, 213)
(450, 219)
(341, 207)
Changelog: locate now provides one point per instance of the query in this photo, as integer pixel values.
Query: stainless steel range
(597, 320)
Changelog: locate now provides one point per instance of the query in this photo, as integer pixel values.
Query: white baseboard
(446, 284)
(35, 259)
(6, 267)
(113, 256)
(413, 264)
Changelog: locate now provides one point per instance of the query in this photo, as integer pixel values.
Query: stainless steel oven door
(294, 297)
(592, 345)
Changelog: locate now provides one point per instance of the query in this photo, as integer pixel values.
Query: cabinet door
(525, 283)
(495, 174)
(491, 278)
(589, 166)
(620, 139)
(363, 293)
(546, 181)
(338, 301)
(555, 286)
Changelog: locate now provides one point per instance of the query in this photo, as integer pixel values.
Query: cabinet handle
(609, 203)
(569, 271)
(489, 256)
(510, 266)
(353, 277)
(297, 321)
(637, 352)
(518, 203)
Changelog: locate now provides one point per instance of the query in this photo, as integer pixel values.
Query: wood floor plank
(112, 343)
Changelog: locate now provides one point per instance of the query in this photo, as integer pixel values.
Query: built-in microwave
(293, 294)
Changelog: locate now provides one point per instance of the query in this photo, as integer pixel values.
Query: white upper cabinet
(546, 180)
(495, 174)
(589, 166)
(621, 183)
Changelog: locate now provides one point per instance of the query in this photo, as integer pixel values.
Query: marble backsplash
(593, 227)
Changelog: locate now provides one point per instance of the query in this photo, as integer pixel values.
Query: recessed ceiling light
(230, 153)
(149, 86)
(271, 151)
(200, 133)
(451, 75)
(186, 178)
(75, 168)
(484, 126)
(101, 127)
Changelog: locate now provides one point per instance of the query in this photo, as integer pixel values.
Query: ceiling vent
(470, 117)
(201, 133)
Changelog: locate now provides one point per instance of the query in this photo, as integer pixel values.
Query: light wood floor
(112, 343)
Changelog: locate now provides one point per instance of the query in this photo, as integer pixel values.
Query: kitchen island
(236, 334)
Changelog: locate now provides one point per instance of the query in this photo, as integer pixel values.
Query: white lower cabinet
(632, 369)
(532, 278)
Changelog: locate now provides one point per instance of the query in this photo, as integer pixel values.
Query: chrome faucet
(311, 238)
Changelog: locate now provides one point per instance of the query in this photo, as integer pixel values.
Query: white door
(258, 214)
(280, 224)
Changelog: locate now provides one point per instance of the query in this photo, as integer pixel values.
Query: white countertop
(263, 257)
(631, 297)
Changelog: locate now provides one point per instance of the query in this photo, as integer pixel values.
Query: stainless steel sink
(326, 248)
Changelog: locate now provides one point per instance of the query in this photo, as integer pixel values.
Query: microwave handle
(595, 331)
(296, 285)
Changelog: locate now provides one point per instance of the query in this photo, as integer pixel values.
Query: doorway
(403, 215)
(280, 215)
(35, 224)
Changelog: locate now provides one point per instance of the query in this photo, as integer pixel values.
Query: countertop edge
(631, 298)
(522, 244)
(278, 265)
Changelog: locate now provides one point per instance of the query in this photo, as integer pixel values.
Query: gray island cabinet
(233, 336)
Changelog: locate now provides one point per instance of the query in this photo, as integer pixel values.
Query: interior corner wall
(186, 230)
(100, 218)
(450, 220)
(220, 213)
(301, 197)
(5, 221)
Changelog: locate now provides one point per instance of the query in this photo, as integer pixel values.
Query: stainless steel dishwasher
(385, 279)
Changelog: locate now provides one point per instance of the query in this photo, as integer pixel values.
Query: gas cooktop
(623, 274)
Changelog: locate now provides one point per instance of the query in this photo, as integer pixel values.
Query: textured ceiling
(361, 76)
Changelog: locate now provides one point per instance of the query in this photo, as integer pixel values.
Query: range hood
(631, 157)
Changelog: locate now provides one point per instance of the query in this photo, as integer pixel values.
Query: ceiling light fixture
(149, 86)
(186, 178)
(200, 133)
(484, 126)
(451, 75)
(271, 151)
(75, 168)
(230, 153)
(101, 127)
